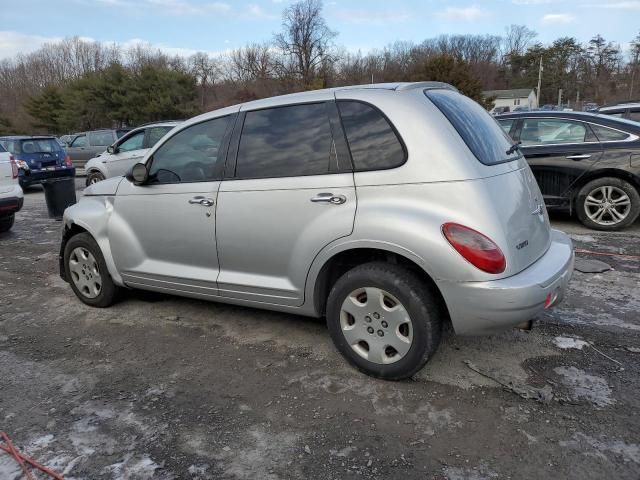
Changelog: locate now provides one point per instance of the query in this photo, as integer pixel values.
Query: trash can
(60, 193)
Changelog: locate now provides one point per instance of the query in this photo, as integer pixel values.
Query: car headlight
(22, 164)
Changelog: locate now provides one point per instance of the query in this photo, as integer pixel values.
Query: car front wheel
(384, 319)
(87, 272)
(94, 177)
(608, 204)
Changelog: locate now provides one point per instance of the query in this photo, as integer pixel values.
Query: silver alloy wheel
(84, 272)
(607, 205)
(376, 325)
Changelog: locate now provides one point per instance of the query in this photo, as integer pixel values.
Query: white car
(126, 152)
(10, 191)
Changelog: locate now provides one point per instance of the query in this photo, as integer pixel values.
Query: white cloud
(372, 17)
(256, 11)
(182, 7)
(463, 13)
(557, 18)
(628, 5)
(13, 43)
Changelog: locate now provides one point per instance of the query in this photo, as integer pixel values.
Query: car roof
(620, 106)
(28, 137)
(602, 119)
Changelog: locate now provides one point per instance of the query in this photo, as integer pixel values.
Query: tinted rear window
(41, 145)
(478, 129)
(285, 142)
(373, 143)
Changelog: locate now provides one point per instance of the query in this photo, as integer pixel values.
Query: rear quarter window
(373, 142)
(101, 139)
(482, 134)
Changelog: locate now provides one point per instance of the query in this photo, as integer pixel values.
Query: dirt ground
(161, 387)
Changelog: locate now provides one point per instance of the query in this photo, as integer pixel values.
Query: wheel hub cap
(85, 273)
(607, 205)
(376, 325)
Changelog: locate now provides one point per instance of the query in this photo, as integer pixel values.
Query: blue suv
(38, 158)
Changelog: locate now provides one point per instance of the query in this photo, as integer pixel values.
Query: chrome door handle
(205, 202)
(329, 198)
(579, 157)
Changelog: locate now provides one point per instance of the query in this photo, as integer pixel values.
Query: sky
(185, 26)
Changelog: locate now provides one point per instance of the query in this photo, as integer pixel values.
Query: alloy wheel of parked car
(87, 271)
(94, 177)
(608, 204)
(384, 319)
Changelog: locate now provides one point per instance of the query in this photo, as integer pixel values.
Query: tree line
(75, 84)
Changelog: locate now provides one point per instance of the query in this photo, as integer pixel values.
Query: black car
(584, 163)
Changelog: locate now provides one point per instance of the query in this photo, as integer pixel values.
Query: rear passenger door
(288, 192)
(559, 152)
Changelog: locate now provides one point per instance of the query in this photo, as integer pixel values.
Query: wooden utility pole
(539, 82)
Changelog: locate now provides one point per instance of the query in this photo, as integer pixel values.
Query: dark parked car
(38, 158)
(86, 145)
(630, 111)
(584, 163)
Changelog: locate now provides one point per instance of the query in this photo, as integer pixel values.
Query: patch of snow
(584, 386)
(568, 342)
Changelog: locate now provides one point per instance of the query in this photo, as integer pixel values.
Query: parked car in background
(66, 139)
(126, 152)
(10, 191)
(520, 108)
(390, 209)
(630, 111)
(584, 163)
(500, 110)
(38, 158)
(590, 107)
(86, 145)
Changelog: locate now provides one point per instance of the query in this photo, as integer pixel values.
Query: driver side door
(163, 233)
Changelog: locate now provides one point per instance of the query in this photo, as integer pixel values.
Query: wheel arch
(602, 173)
(324, 273)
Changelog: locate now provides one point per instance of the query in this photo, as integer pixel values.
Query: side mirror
(111, 149)
(138, 174)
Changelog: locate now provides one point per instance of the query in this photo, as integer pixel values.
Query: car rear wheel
(87, 271)
(94, 177)
(6, 223)
(384, 320)
(608, 204)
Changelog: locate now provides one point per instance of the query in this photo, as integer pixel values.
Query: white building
(519, 97)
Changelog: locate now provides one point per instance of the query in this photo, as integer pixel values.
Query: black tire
(616, 183)
(94, 176)
(109, 291)
(6, 223)
(418, 300)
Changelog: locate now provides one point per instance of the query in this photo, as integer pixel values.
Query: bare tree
(517, 39)
(306, 39)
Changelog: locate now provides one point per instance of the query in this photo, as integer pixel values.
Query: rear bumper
(489, 307)
(37, 176)
(10, 205)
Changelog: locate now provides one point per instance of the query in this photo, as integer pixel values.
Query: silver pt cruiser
(388, 209)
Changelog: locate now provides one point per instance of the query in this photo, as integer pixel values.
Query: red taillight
(67, 161)
(14, 167)
(476, 248)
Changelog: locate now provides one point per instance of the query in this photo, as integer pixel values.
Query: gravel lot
(169, 388)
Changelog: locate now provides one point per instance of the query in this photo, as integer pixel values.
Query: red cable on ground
(607, 254)
(21, 458)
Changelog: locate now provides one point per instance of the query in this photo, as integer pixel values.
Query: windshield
(479, 130)
(39, 145)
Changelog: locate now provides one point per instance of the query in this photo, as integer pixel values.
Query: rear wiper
(513, 148)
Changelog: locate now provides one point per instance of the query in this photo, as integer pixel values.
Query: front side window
(372, 141)
(191, 155)
(547, 131)
(80, 141)
(155, 134)
(605, 134)
(101, 139)
(134, 142)
(285, 142)
(484, 137)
